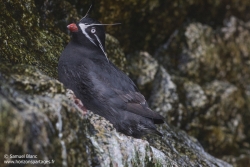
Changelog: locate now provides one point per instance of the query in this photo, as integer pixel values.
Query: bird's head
(89, 32)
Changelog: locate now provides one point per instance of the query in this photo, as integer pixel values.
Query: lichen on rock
(38, 118)
(212, 77)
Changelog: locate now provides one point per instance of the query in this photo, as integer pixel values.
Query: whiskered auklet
(102, 87)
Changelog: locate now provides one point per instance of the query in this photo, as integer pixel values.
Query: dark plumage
(103, 88)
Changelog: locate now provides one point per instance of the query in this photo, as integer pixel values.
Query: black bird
(102, 87)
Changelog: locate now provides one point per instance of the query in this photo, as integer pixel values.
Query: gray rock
(38, 118)
(200, 56)
(211, 71)
(195, 96)
(164, 98)
(223, 117)
(143, 67)
(154, 80)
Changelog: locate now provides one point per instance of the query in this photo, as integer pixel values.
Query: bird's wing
(135, 102)
(110, 82)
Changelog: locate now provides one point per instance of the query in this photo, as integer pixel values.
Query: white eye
(93, 30)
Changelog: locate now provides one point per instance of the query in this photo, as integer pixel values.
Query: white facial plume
(93, 31)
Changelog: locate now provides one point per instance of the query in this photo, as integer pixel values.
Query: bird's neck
(87, 49)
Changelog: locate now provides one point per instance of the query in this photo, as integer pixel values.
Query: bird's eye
(93, 30)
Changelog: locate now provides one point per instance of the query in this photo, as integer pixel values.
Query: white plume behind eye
(83, 27)
(102, 48)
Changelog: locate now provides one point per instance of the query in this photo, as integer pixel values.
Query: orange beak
(72, 27)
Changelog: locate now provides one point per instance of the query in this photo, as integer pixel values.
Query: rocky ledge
(39, 117)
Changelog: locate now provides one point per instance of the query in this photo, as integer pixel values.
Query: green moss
(114, 52)
(24, 42)
(28, 38)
